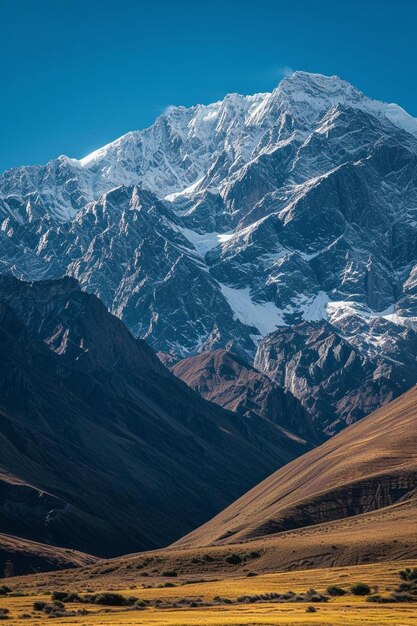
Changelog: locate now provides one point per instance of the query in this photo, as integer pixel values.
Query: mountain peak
(332, 82)
(194, 148)
(318, 90)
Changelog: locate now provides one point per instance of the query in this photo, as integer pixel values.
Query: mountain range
(291, 212)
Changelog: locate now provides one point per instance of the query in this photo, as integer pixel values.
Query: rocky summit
(292, 213)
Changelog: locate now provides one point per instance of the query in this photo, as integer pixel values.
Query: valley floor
(347, 611)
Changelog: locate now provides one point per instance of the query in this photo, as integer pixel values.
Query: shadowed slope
(350, 501)
(102, 449)
(20, 556)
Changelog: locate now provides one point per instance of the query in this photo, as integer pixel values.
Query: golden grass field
(347, 611)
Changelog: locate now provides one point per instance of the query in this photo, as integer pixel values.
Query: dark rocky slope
(334, 380)
(102, 449)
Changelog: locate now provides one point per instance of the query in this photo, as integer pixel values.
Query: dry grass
(262, 615)
(346, 611)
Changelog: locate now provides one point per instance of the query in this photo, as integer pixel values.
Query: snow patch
(188, 190)
(204, 243)
(339, 310)
(315, 309)
(265, 317)
(224, 237)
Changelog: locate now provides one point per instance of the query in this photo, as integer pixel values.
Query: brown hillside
(226, 379)
(369, 466)
(20, 556)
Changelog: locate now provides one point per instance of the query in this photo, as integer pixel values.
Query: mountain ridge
(224, 378)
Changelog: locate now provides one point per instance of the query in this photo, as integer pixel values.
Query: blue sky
(77, 74)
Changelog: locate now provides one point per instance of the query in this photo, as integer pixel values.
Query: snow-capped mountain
(222, 223)
(202, 148)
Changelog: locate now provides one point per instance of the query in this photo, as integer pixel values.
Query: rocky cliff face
(222, 223)
(336, 382)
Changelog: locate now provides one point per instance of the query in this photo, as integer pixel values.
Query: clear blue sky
(76, 74)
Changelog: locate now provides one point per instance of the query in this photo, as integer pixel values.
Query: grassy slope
(368, 466)
(363, 539)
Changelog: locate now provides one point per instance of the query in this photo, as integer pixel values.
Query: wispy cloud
(168, 109)
(277, 72)
(286, 71)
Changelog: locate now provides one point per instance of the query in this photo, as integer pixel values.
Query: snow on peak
(199, 149)
(321, 92)
(310, 83)
(184, 143)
